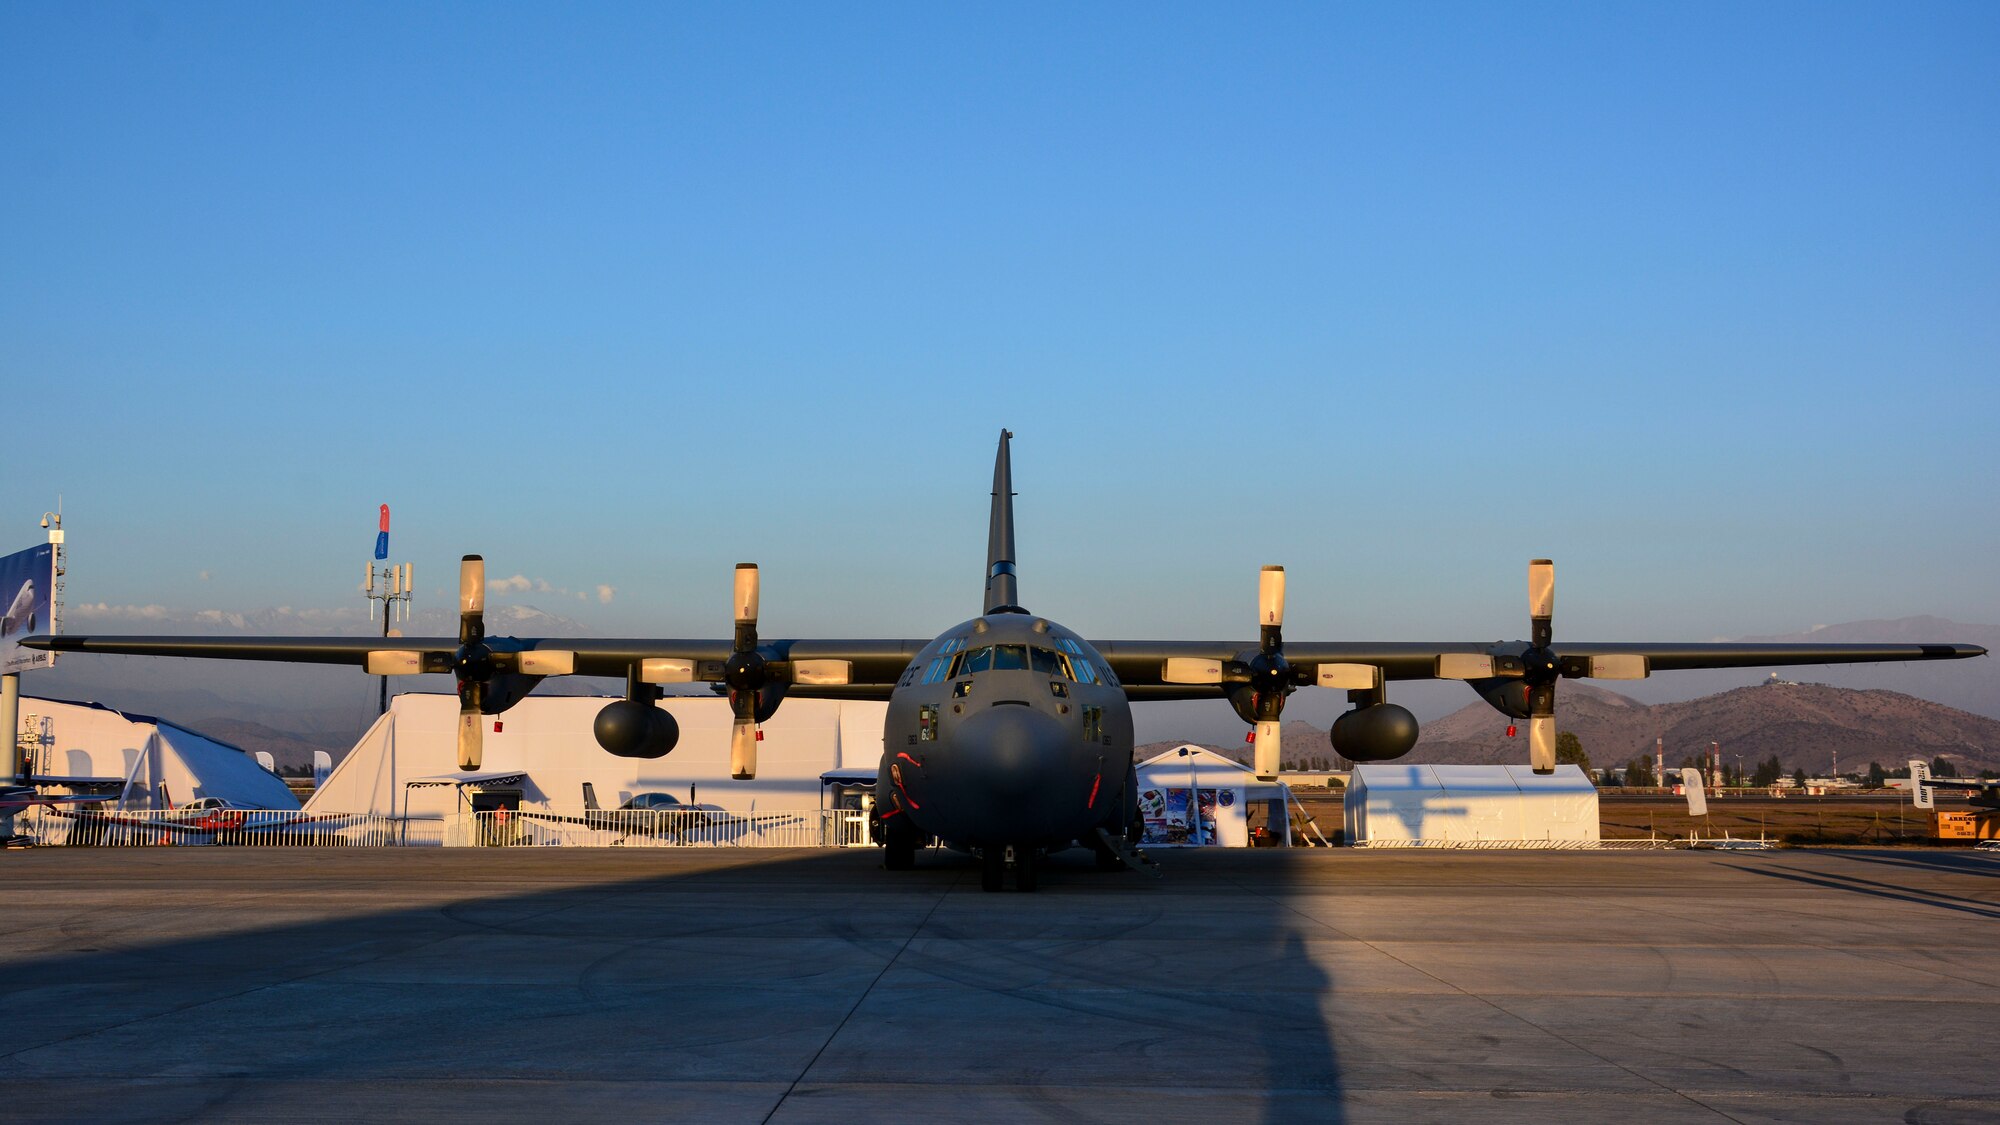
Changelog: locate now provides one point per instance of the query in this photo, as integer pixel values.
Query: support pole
(10, 722)
(385, 680)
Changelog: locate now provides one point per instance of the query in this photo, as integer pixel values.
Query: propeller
(1260, 684)
(1524, 686)
(473, 662)
(746, 673)
(493, 674)
(1539, 666)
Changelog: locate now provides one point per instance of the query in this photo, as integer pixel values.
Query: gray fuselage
(1007, 730)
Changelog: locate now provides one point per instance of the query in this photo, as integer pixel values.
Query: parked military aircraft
(1980, 792)
(1008, 734)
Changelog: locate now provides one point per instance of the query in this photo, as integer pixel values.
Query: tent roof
(1179, 755)
(1211, 770)
(851, 773)
(489, 777)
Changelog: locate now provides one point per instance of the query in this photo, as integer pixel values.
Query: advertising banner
(27, 586)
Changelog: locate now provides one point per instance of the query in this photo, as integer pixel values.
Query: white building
(540, 754)
(1441, 805)
(1222, 792)
(152, 764)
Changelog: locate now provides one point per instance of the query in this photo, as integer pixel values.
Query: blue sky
(1701, 300)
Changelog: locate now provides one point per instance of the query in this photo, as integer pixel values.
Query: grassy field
(1887, 819)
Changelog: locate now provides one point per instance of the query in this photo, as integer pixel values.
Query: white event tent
(155, 764)
(1224, 790)
(1445, 805)
(543, 752)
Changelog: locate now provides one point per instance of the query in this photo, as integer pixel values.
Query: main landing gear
(994, 862)
(899, 844)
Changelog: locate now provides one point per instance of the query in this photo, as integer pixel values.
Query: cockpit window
(1014, 658)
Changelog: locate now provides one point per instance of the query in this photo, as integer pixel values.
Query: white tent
(1455, 805)
(406, 764)
(1224, 792)
(155, 764)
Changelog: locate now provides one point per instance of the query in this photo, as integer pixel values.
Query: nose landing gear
(994, 862)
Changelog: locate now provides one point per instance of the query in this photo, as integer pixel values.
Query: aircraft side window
(1086, 673)
(1046, 662)
(937, 669)
(1010, 658)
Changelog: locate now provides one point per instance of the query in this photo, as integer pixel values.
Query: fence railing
(587, 828)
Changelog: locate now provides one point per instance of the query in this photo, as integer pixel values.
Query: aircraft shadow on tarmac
(738, 986)
(1901, 892)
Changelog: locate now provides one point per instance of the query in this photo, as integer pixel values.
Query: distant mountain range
(1803, 725)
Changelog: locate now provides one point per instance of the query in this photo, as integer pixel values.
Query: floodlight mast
(15, 769)
(395, 592)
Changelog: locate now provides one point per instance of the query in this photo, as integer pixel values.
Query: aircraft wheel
(1024, 869)
(992, 869)
(899, 845)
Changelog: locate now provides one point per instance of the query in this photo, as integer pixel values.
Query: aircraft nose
(1008, 749)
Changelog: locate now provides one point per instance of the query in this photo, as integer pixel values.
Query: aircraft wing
(873, 666)
(1147, 669)
(14, 798)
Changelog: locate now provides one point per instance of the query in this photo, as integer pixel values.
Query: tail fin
(589, 797)
(1001, 594)
(1924, 796)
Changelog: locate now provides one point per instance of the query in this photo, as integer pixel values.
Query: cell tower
(388, 583)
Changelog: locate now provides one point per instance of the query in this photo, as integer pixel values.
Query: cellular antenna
(388, 583)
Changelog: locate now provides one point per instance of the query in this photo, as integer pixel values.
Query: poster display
(27, 587)
(1219, 817)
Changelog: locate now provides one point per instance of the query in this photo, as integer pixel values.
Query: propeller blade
(822, 673)
(1542, 600)
(471, 730)
(1271, 596)
(746, 594)
(471, 586)
(1191, 670)
(398, 662)
(743, 750)
(1465, 666)
(666, 670)
(547, 662)
(1542, 742)
(1352, 677)
(1617, 666)
(1267, 754)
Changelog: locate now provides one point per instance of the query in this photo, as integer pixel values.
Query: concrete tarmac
(343, 985)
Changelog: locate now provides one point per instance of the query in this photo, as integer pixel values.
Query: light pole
(395, 589)
(394, 593)
(1194, 799)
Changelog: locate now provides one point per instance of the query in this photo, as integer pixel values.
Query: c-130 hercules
(1008, 735)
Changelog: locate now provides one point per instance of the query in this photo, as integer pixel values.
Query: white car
(1987, 846)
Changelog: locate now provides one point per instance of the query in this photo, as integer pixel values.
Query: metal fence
(1526, 845)
(587, 828)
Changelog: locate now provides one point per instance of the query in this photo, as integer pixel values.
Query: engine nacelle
(505, 690)
(631, 728)
(1509, 696)
(1374, 734)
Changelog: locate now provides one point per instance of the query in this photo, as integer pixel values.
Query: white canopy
(405, 763)
(157, 764)
(1223, 790)
(1448, 804)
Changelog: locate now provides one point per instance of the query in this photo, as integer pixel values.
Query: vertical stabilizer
(1001, 594)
